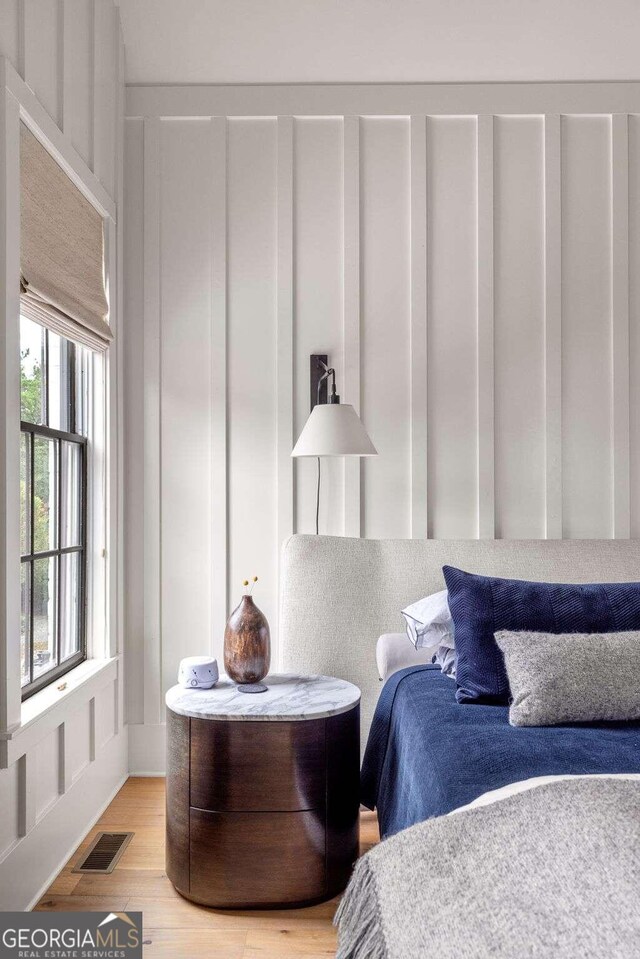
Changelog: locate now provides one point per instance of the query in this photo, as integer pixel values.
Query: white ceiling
(270, 41)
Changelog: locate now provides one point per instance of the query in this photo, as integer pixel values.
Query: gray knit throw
(551, 872)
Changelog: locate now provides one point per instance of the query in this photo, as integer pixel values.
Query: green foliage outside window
(30, 389)
(31, 412)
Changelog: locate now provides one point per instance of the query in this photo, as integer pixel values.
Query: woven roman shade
(61, 250)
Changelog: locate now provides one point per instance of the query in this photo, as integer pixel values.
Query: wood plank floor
(173, 927)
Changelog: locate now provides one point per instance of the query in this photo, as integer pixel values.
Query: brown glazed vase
(247, 643)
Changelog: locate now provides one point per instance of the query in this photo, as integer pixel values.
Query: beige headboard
(338, 595)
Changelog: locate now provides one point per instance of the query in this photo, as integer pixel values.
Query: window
(55, 375)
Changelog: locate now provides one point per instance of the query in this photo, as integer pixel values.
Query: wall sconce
(333, 428)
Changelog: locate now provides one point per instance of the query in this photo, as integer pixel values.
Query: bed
(499, 841)
(338, 595)
(427, 755)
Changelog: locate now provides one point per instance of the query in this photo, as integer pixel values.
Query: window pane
(45, 499)
(44, 614)
(70, 605)
(31, 366)
(71, 493)
(25, 584)
(56, 379)
(25, 480)
(58, 382)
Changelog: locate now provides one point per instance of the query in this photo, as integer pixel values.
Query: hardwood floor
(177, 929)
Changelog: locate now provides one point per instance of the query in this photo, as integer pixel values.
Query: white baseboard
(147, 745)
(37, 859)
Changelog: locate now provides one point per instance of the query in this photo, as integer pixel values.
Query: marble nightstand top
(289, 698)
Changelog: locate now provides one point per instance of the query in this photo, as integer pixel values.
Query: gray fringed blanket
(551, 872)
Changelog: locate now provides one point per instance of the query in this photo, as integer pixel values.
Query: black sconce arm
(328, 371)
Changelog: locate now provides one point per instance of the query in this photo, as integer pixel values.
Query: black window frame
(33, 430)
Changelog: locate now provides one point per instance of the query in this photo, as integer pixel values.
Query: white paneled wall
(385, 309)
(587, 493)
(318, 297)
(519, 327)
(59, 769)
(68, 52)
(469, 272)
(451, 322)
(185, 375)
(252, 331)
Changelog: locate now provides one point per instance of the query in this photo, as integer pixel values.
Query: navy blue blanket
(427, 754)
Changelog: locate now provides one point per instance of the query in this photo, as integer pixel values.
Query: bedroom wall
(376, 41)
(468, 256)
(60, 771)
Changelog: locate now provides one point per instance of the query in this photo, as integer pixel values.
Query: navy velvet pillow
(482, 605)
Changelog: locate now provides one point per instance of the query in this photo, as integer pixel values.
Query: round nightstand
(263, 791)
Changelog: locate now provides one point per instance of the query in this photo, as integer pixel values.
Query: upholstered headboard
(338, 595)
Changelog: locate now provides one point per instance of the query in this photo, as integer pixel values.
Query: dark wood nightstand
(263, 791)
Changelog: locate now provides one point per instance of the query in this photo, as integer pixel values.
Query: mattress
(427, 755)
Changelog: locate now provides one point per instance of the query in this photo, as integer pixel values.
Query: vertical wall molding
(64, 768)
(620, 325)
(486, 471)
(92, 729)
(22, 30)
(152, 446)
(634, 319)
(219, 466)
(112, 436)
(352, 319)
(61, 48)
(67, 18)
(284, 344)
(96, 118)
(419, 370)
(92, 118)
(10, 705)
(553, 325)
(26, 794)
(117, 704)
(120, 380)
(77, 81)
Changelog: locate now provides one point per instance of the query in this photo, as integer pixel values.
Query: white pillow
(429, 622)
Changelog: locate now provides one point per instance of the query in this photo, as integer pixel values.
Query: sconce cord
(327, 373)
(318, 497)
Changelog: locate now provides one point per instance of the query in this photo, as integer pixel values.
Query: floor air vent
(104, 852)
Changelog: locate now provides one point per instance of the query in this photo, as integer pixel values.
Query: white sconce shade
(334, 429)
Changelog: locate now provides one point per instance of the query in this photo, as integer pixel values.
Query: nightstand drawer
(249, 766)
(257, 858)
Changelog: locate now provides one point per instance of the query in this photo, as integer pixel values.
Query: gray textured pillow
(571, 677)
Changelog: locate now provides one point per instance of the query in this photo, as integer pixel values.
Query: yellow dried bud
(255, 579)
(245, 582)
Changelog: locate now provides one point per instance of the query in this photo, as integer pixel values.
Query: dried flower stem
(248, 589)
